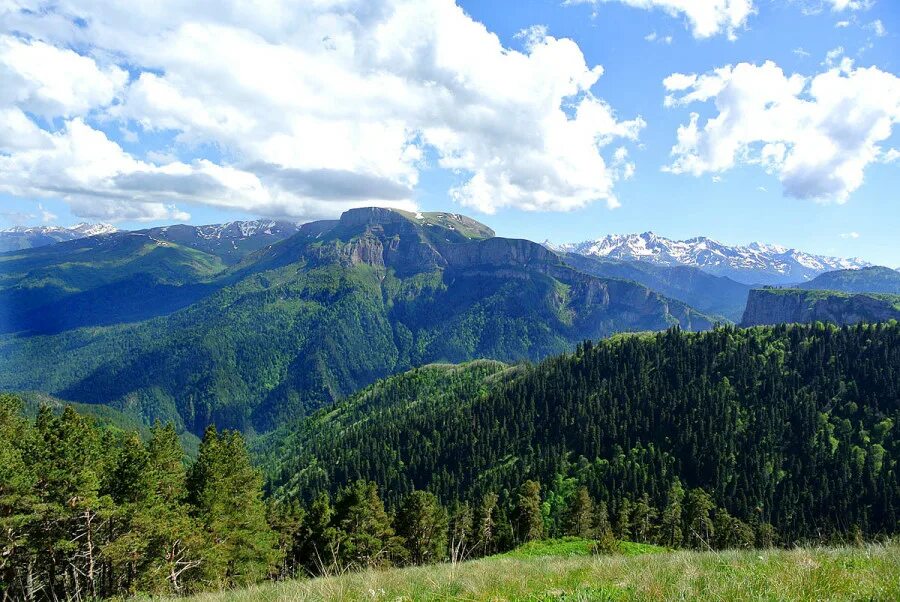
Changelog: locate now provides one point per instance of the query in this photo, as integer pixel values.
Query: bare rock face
(779, 306)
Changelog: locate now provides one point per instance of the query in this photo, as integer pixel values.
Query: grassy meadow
(568, 573)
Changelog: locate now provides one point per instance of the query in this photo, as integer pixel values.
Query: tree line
(89, 513)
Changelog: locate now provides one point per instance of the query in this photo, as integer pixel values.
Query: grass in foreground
(867, 573)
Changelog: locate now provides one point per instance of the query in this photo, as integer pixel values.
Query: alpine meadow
(471, 300)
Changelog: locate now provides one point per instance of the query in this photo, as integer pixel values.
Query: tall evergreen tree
(225, 491)
(365, 537)
(528, 512)
(581, 514)
(670, 533)
(422, 523)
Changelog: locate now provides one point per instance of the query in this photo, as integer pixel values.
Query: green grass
(866, 573)
(566, 547)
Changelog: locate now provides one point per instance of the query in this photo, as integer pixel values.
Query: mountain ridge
(754, 264)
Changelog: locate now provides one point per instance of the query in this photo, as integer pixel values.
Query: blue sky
(177, 139)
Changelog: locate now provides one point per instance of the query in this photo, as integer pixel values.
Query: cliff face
(777, 306)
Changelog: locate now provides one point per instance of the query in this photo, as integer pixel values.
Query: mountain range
(753, 264)
(28, 237)
(201, 333)
(246, 324)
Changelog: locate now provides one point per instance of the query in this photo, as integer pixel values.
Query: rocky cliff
(777, 306)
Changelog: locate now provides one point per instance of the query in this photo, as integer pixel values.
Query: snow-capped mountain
(231, 241)
(27, 237)
(756, 263)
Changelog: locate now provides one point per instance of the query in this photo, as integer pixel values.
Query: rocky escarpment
(778, 306)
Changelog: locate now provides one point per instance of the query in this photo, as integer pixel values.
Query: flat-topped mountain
(756, 263)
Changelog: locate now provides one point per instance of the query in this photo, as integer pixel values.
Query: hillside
(301, 323)
(875, 279)
(751, 416)
(804, 574)
(100, 280)
(785, 306)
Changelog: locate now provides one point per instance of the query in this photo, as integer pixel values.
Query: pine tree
(226, 492)
(461, 532)
(670, 534)
(581, 514)
(365, 537)
(698, 522)
(623, 520)
(528, 512)
(643, 520)
(422, 523)
(17, 504)
(487, 525)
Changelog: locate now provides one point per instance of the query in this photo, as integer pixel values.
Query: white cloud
(46, 216)
(53, 82)
(877, 27)
(841, 5)
(850, 235)
(842, 24)
(314, 107)
(706, 17)
(890, 155)
(832, 56)
(654, 37)
(817, 134)
(801, 52)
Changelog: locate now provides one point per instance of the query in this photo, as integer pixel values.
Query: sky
(741, 120)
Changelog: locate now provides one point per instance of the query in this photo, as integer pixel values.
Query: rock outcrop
(778, 306)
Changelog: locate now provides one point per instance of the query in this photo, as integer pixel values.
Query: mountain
(100, 280)
(713, 295)
(28, 237)
(784, 306)
(302, 322)
(875, 279)
(749, 415)
(231, 241)
(756, 263)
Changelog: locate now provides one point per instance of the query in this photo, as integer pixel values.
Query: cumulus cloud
(817, 134)
(313, 107)
(850, 235)
(706, 17)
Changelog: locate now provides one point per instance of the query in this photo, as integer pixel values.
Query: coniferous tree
(486, 535)
(422, 523)
(225, 491)
(643, 520)
(17, 504)
(581, 514)
(623, 520)
(670, 533)
(364, 535)
(699, 528)
(461, 532)
(528, 512)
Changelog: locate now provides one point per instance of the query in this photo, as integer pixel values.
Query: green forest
(733, 438)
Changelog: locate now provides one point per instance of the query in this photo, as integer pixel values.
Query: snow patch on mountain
(756, 263)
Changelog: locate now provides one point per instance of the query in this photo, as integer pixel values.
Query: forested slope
(795, 426)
